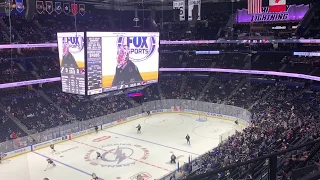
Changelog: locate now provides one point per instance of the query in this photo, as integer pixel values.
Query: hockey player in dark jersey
(94, 176)
(139, 129)
(126, 71)
(173, 159)
(67, 59)
(50, 162)
(139, 177)
(188, 139)
(96, 128)
(98, 155)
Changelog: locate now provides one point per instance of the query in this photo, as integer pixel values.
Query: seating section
(82, 109)
(7, 127)
(232, 60)
(33, 110)
(189, 92)
(172, 87)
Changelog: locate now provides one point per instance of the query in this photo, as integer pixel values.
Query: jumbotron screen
(72, 62)
(119, 60)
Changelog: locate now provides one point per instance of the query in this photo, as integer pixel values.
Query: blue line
(152, 143)
(65, 165)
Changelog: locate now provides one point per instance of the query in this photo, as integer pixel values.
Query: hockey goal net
(202, 117)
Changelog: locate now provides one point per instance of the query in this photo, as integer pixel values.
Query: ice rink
(147, 153)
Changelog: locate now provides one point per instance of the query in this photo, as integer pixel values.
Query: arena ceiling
(150, 2)
(154, 4)
(167, 2)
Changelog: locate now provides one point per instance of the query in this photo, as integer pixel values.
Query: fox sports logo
(75, 44)
(140, 47)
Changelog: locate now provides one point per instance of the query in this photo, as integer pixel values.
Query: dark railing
(272, 165)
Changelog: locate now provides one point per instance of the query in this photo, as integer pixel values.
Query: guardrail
(76, 129)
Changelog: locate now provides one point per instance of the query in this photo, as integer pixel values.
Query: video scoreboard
(99, 62)
(72, 58)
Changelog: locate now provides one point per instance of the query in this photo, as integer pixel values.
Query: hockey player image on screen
(126, 71)
(68, 59)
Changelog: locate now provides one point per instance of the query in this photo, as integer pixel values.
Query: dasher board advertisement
(119, 60)
(72, 62)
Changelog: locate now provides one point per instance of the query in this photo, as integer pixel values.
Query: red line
(137, 160)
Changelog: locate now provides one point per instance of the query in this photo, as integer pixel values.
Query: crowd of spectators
(281, 119)
(172, 86)
(265, 31)
(314, 26)
(83, 109)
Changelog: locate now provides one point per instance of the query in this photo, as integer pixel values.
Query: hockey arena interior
(160, 89)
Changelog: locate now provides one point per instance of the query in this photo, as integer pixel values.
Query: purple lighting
(293, 13)
(239, 71)
(24, 83)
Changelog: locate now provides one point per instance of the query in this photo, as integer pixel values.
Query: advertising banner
(309, 54)
(16, 152)
(292, 13)
(47, 143)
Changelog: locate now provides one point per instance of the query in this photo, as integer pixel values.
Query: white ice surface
(148, 152)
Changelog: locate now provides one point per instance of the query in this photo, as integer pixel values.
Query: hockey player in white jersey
(50, 162)
(52, 148)
(94, 176)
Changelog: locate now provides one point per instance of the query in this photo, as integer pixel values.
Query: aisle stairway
(15, 120)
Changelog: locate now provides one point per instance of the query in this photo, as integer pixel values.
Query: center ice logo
(75, 44)
(141, 47)
(117, 155)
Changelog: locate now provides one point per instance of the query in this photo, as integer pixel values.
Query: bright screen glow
(72, 58)
(118, 60)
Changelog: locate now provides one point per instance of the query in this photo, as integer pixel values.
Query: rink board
(45, 144)
(152, 149)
